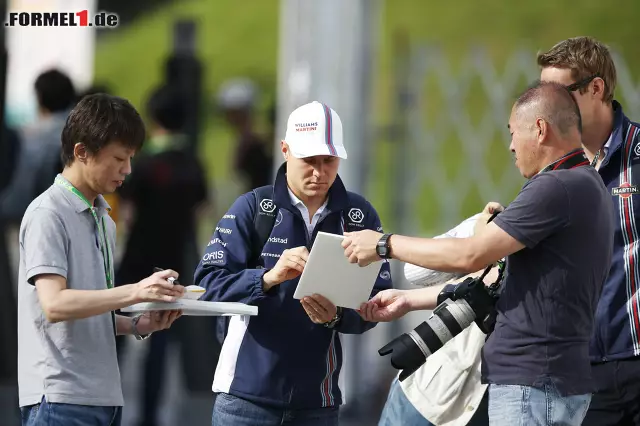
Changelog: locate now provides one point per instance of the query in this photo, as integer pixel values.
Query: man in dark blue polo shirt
(557, 236)
(612, 141)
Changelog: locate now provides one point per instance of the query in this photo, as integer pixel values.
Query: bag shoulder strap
(265, 214)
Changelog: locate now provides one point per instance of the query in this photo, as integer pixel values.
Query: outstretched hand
(157, 320)
(387, 305)
(360, 246)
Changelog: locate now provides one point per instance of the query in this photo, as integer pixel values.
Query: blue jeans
(229, 410)
(55, 414)
(398, 410)
(525, 405)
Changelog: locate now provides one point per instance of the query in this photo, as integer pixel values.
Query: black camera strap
(488, 268)
(571, 160)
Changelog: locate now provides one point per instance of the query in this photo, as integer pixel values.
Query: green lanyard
(104, 242)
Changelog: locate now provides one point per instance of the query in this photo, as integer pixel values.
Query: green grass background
(241, 38)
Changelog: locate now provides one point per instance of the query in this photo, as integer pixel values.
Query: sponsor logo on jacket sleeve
(214, 257)
(277, 240)
(274, 255)
(217, 241)
(224, 230)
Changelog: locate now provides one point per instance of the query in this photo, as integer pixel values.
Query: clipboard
(190, 307)
(329, 273)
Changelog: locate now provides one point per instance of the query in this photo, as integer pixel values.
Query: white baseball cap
(315, 129)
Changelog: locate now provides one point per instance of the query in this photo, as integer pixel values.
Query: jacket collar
(338, 197)
(620, 123)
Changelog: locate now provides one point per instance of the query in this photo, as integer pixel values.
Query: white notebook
(329, 273)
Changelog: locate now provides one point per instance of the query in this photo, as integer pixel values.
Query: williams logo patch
(625, 190)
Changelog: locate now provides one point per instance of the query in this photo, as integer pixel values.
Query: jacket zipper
(315, 229)
(598, 329)
(308, 245)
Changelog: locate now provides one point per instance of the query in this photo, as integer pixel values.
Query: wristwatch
(382, 248)
(335, 320)
(134, 328)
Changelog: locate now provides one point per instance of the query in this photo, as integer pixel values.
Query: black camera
(459, 305)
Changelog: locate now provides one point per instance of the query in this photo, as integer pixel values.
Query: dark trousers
(617, 401)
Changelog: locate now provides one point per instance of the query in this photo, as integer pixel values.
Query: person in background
(39, 159)
(160, 201)
(447, 389)
(9, 150)
(252, 158)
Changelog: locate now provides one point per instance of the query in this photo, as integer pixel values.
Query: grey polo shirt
(71, 362)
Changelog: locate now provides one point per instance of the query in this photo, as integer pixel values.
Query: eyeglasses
(582, 83)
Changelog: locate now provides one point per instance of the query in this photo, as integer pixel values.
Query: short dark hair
(98, 120)
(166, 107)
(54, 91)
(553, 102)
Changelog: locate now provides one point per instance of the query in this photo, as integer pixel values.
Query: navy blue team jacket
(617, 323)
(280, 358)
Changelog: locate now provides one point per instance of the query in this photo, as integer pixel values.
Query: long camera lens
(466, 302)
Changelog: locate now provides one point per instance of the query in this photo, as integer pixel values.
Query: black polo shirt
(552, 286)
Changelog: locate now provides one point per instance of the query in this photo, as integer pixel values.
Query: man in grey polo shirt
(67, 370)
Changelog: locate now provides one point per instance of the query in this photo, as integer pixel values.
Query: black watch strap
(382, 248)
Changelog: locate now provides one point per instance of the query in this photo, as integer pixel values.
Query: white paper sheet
(329, 273)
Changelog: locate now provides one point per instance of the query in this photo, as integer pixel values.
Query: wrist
(413, 300)
(131, 296)
(383, 246)
(268, 281)
(123, 325)
(390, 241)
(420, 300)
(423, 299)
(333, 322)
(135, 330)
